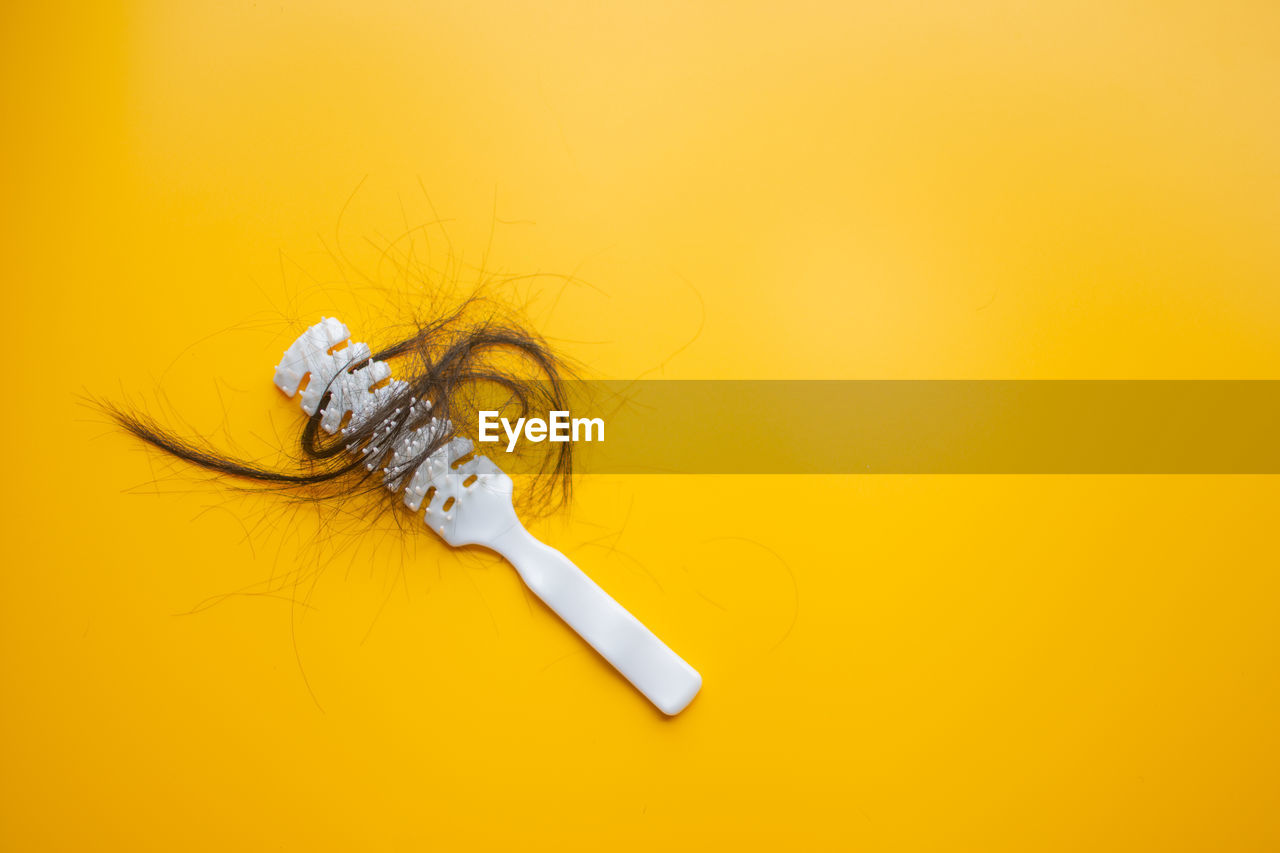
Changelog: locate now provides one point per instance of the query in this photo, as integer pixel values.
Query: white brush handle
(656, 671)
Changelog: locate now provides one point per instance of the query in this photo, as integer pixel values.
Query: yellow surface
(980, 190)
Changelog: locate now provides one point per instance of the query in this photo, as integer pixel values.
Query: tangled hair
(473, 357)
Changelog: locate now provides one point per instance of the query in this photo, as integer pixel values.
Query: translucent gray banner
(919, 427)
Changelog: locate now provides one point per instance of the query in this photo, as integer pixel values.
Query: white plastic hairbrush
(471, 505)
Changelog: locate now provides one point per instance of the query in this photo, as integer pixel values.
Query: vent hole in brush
(383, 384)
(304, 382)
(448, 504)
(338, 347)
(358, 365)
(346, 419)
(462, 460)
(466, 484)
(428, 498)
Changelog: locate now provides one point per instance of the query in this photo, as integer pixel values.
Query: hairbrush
(467, 500)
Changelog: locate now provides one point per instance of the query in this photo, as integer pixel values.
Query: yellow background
(818, 190)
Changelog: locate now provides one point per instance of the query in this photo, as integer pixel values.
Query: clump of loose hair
(475, 352)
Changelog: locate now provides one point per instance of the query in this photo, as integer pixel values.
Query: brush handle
(656, 671)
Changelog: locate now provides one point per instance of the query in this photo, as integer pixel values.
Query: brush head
(463, 497)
